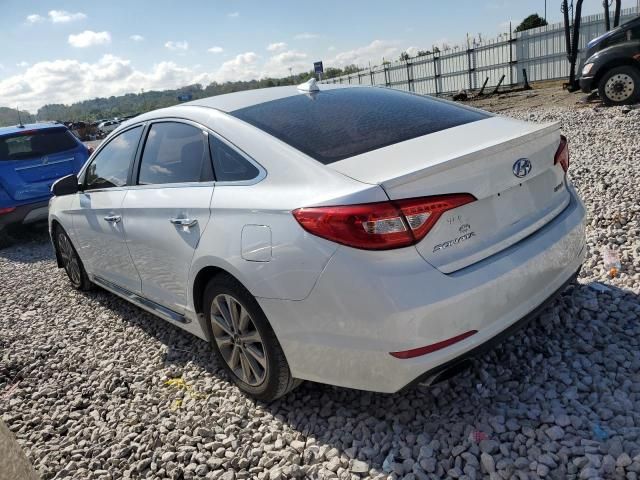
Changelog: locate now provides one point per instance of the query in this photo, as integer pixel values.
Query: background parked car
(32, 157)
(612, 65)
(109, 125)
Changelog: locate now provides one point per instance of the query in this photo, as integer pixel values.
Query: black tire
(71, 261)
(620, 86)
(277, 380)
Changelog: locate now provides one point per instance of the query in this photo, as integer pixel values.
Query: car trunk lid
(477, 158)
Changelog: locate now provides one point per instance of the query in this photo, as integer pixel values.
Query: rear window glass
(335, 124)
(36, 143)
(229, 165)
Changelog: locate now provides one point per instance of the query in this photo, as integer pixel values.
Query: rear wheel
(244, 342)
(620, 86)
(71, 261)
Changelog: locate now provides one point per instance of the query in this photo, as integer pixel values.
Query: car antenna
(309, 86)
(20, 125)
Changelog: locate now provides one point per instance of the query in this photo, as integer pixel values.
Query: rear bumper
(367, 304)
(27, 213)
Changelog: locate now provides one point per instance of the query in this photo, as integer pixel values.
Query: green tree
(532, 21)
(404, 56)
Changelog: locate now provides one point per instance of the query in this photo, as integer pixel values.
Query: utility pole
(545, 10)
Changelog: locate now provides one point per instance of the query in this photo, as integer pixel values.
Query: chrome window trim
(262, 173)
(91, 159)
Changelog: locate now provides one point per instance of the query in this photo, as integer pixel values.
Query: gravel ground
(95, 388)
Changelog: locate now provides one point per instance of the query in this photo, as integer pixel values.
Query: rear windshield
(331, 125)
(36, 143)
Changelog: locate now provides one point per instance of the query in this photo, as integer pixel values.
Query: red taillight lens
(379, 226)
(562, 154)
(6, 210)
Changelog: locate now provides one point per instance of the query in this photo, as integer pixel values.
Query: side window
(228, 164)
(110, 167)
(174, 153)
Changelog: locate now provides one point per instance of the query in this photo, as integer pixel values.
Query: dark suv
(612, 65)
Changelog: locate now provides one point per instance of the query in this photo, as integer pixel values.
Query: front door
(165, 214)
(97, 214)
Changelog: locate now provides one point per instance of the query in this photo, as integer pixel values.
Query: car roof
(247, 98)
(29, 126)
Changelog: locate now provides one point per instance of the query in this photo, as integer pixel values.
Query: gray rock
(489, 446)
(623, 461)
(359, 466)
(555, 433)
(487, 462)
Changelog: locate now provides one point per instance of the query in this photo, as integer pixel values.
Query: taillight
(382, 225)
(562, 154)
(4, 211)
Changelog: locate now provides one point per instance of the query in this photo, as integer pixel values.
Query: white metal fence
(541, 51)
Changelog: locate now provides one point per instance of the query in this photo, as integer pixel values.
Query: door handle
(113, 218)
(184, 222)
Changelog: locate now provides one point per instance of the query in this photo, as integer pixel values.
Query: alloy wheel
(619, 87)
(238, 339)
(69, 259)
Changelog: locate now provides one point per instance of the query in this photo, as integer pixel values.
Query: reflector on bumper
(416, 352)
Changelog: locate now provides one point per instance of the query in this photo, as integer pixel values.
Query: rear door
(97, 213)
(167, 210)
(31, 160)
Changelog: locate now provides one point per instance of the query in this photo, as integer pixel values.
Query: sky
(63, 51)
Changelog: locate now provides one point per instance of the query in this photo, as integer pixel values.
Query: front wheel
(71, 261)
(620, 86)
(244, 342)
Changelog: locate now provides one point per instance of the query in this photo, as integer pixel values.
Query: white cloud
(67, 81)
(35, 18)
(306, 36)
(22, 64)
(215, 49)
(175, 46)
(242, 67)
(137, 38)
(233, 14)
(274, 47)
(412, 51)
(331, 48)
(374, 52)
(278, 65)
(89, 38)
(62, 16)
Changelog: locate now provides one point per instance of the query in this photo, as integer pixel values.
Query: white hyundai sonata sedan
(356, 236)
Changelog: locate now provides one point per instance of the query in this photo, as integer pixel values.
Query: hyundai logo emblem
(522, 167)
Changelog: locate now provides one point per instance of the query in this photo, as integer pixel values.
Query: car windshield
(35, 143)
(331, 125)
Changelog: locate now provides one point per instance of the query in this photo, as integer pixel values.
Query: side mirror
(65, 186)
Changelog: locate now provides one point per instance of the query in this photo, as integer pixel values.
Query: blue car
(32, 157)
